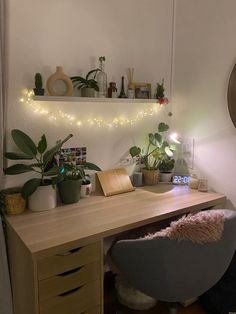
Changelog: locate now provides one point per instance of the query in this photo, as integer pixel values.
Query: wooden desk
(56, 256)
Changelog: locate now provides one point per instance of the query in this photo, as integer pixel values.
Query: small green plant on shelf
(43, 161)
(160, 93)
(157, 150)
(86, 83)
(38, 81)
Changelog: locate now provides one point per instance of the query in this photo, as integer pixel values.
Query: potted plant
(87, 85)
(38, 90)
(70, 179)
(155, 153)
(39, 191)
(160, 93)
(166, 167)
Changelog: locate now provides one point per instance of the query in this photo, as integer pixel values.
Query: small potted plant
(70, 179)
(166, 167)
(87, 85)
(160, 94)
(157, 149)
(39, 191)
(38, 90)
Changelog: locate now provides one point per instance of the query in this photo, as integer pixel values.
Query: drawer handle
(66, 273)
(69, 252)
(64, 294)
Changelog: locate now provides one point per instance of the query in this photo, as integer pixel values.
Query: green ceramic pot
(69, 191)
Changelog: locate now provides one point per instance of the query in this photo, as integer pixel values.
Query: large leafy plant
(87, 82)
(157, 150)
(43, 164)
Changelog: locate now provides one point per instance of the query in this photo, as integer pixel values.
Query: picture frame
(74, 155)
(142, 90)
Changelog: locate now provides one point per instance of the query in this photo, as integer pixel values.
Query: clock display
(180, 179)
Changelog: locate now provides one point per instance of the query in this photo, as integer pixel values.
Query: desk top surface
(96, 217)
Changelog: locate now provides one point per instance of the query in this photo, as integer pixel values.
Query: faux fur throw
(205, 226)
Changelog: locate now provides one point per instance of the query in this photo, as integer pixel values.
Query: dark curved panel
(232, 95)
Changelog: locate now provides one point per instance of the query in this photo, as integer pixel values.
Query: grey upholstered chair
(172, 270)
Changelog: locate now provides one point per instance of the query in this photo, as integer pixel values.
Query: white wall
(73, 34)
(205, 53)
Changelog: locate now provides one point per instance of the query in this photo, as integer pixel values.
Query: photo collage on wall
(72, 155)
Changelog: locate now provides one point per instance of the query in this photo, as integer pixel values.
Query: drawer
(67, 260)
(69, 280)
(78, 300)
(94, 310)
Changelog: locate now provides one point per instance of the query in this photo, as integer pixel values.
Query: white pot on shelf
(44, 198)
(165, 176)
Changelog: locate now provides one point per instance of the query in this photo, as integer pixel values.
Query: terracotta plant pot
(150, 177)
(69, 191)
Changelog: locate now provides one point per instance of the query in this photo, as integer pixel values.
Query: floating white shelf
(92, 99)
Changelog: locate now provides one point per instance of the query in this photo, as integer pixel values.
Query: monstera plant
(42, 163)
(157, 149)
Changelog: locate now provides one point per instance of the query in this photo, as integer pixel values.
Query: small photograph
(72, 155)
(142, 90)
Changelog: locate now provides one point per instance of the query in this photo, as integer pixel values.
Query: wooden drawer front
(75, 301)
(94, 310)
(68, 260)
(72, 279)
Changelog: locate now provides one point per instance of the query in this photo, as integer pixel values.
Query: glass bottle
(102, 79)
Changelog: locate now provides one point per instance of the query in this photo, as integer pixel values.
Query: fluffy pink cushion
(205, 226)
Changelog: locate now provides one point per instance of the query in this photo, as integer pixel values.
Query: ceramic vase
(44, 198)
(86, 190)
(165, 176)
(59, 75)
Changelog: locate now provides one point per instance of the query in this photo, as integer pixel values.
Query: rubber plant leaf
(17, 156)
(51, 152)
(162, 127)
(17, 169)
(134, 151)
(30, 187)
(42, 145)
(24, 142)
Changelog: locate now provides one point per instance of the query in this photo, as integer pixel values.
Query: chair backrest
(172, 270)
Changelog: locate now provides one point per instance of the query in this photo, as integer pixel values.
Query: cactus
(160, 90)
(38, 81)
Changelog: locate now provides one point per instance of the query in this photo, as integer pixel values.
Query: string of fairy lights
(60, 115)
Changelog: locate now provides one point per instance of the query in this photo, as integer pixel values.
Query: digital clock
(180, 179)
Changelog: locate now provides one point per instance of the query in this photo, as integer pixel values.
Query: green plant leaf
(135, 151)
(42, 145)
(168, 152)
(92, 71)
(17, 156)
(51, 152)
(17, 169)
(155, 139)
(172, 147)
(162, 127)
(30, 187)
(52, 172)
(24, 142)
(91, 166)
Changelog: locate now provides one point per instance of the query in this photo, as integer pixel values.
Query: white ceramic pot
(165, 176)
(86, 190)
(44, 198)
